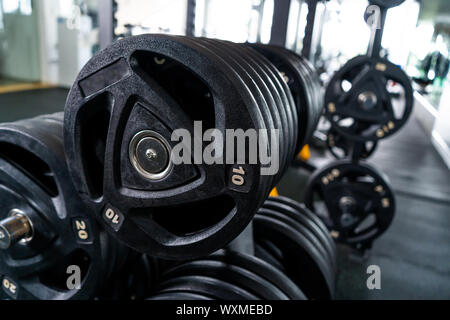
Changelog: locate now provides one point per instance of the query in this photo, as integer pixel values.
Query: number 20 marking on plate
(238, 176)
(80, 225)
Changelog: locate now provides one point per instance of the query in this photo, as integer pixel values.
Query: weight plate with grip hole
(46, 234)
(355, 201)
(319, 253)
(360, 102)
(143, 88)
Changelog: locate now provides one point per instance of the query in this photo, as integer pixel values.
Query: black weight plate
(312, 86)
(285, 93)
(359, 104)
(281, 96)
(272, 249)
(245, 79)
(209, 286)
(341, 147)
(319, 254)
(262, 269)
(284, 143)
(162, 83)
(232, 274)
(117, 258)
(354, 200)
(253, 80)
(301, 87)
(316, 83)
(312, 216)
(300, 266)
(133, 281)
(141, 279)
(297, 84)
(179, 295)
(310, 225)
(263, 254)
(34, 181)
(277, 106)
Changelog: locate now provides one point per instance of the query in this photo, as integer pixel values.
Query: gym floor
(413, 254)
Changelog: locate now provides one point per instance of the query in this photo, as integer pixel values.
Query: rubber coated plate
(312, 216)
(298, 255)
(387, 3)
(208, 286)
(232, 274)
(310, 225)
(285, 144)
(368, 99)
(262, 269)
(341, 147)
(179, 296)
(252, 81)
(263, 254)
(34, 181)
(354, 201)
(319, 254)
(160, 83)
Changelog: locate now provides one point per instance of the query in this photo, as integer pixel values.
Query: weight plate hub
(43, 226)
(368, 99)
(354, 200)
(120, 115)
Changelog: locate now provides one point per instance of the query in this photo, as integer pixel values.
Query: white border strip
(441, 147)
